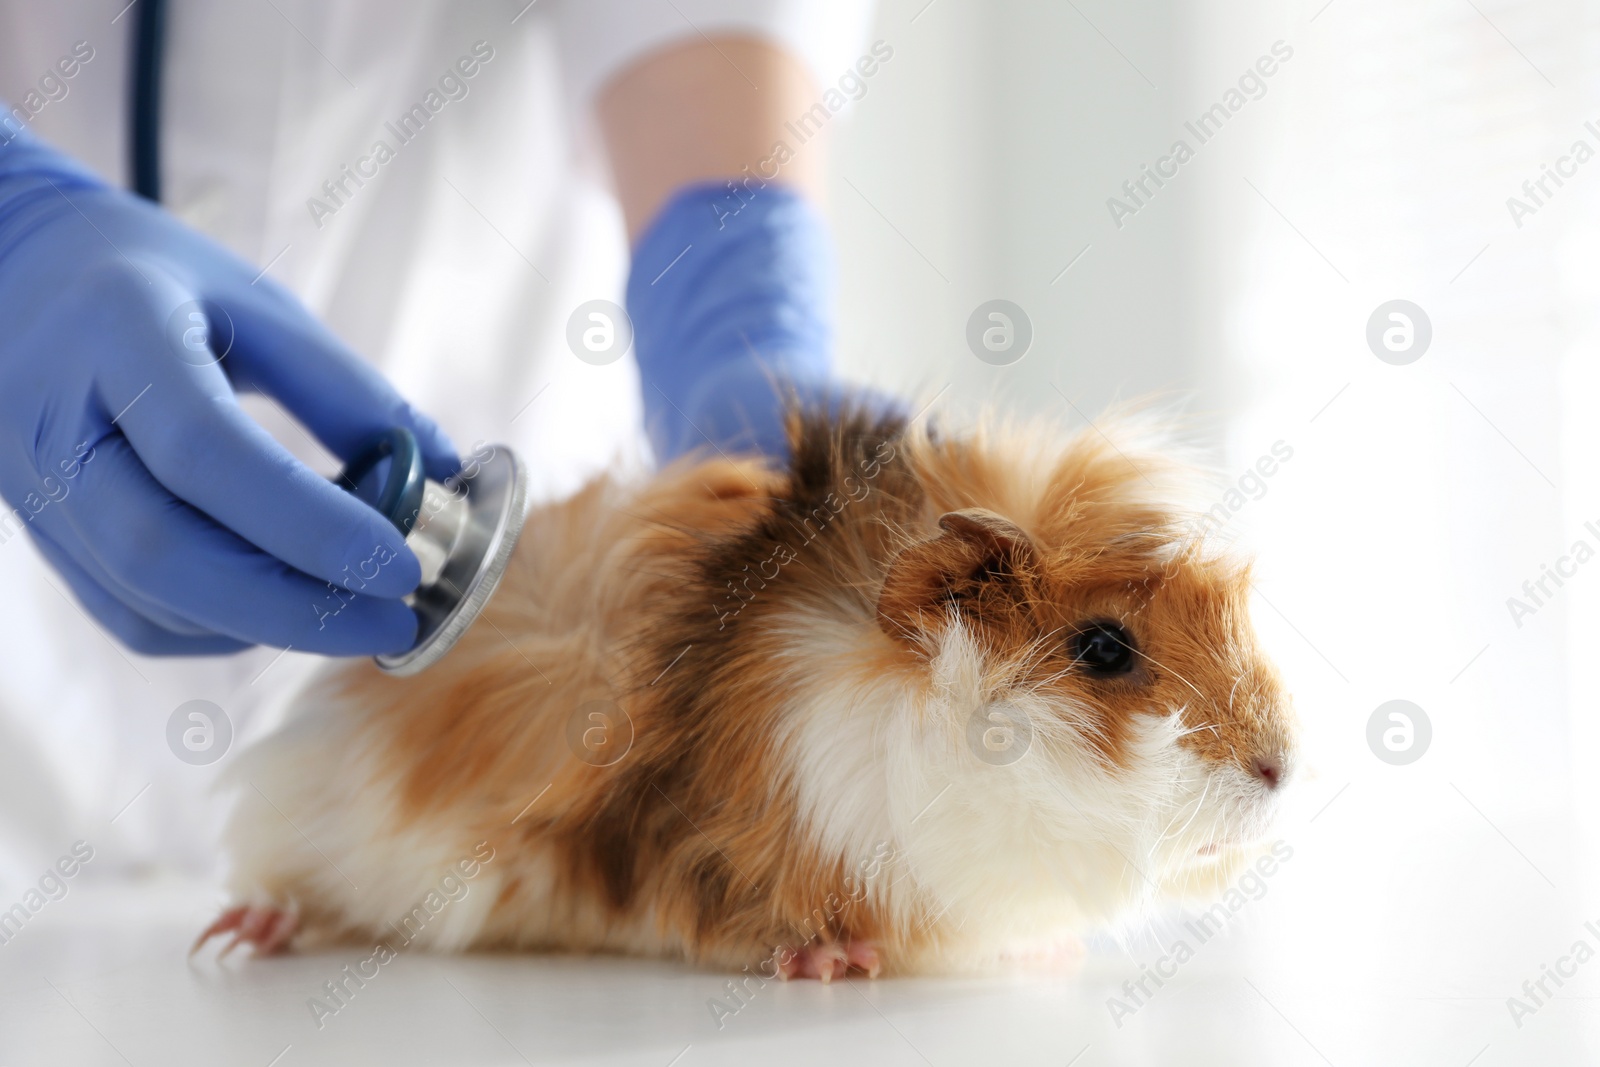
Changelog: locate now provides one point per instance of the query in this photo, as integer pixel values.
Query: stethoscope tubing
(144, 118)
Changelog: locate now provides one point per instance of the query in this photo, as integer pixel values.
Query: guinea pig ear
(977, 563)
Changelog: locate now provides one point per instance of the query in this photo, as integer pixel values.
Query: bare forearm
(704, 111)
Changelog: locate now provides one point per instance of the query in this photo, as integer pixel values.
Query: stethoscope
(462, 531)
(144, 116)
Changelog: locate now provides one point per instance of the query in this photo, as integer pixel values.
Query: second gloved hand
(731, 297)
(181, 525)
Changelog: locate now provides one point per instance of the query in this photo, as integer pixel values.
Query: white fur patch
(320, 829)
(993, 855)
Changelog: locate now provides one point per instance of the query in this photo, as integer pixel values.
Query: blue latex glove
(731, 293)
(181, 525)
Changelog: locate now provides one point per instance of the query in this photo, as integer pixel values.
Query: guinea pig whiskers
(1187, 730)
(1199, 802)
(1234, 690)
(1174, 673)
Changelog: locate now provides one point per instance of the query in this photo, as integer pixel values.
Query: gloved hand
(731, 297)
(181, 525)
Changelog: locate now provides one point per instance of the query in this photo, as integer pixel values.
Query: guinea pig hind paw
(266, 929)
(829, 960)
(863, 956)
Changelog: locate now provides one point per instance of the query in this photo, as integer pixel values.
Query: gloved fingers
(131, 628)
(191, 435)
(285, 352)
(160, 549)
(54, 534)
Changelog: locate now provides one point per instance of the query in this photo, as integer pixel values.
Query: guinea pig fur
(907, 705)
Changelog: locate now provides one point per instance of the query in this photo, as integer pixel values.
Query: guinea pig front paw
(828, 960)
(265, 928)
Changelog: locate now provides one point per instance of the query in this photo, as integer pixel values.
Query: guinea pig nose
(1271, 770)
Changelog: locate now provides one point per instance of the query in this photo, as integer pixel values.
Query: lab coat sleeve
(600, 38)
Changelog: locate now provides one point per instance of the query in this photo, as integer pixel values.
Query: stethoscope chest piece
(463, 533)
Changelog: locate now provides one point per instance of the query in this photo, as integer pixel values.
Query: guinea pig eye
(1103, 648)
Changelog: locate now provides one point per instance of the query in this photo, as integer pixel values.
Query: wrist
(731, 296)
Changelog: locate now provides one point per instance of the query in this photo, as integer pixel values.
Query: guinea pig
(908, 704)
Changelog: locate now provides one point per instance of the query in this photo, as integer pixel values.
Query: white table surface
(1383, 941)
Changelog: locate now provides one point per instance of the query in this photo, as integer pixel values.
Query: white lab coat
(452, 260)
